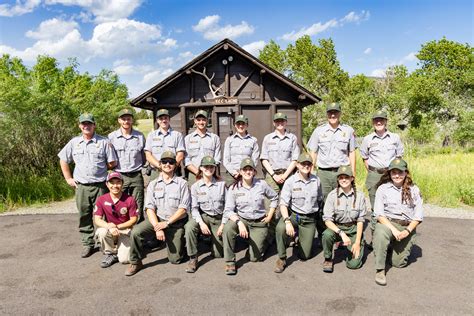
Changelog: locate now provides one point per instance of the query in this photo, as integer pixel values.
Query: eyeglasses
(168, 162)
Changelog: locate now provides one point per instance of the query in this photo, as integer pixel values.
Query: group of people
(307, 192)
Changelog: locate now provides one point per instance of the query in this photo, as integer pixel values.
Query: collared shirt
(237, 148)
(209, 199)
(117, 213)
(90, 158)
(302, 196)
(332, 145)
(129, 150)
(198, 146)
(380, 151)
(346, 211)
(388, 203)
(280, 151)
(249, 203)
(158, 142)
(166, 198)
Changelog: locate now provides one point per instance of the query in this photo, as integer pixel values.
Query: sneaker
(87, 251)
(380, 278)
(280, 265)
(133, 268)
(192, 264)
(327, 266)
(108, 260)
(230, 269)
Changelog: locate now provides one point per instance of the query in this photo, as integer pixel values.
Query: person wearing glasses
(115, 214)
(167, 203)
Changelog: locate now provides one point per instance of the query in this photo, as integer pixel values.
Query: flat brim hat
(380, 114)
(168, 155)
(208, 161)
(125, 112)
(346, 170)
(114, 175)
(280, 116)
(241, 118)
(333, 107)
(201, 113)
(86, 117)
(398, 163)
(305, 158)
(162, 112)
(247, 162)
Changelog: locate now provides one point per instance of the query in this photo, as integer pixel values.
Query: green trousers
(174, 239)
(330, 237)
(383, 237)
(274, 222)
(371, 184)
(328, 183)
(305, 225)
(134, 186)
(257, 234)
(228, 178)
(192, 230)
(86, 195)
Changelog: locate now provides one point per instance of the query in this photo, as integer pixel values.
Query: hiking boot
(192, 264)
(87, 251)
(327, 266)
(108, 260)
(380, 278)
(230, 269)
(133, 268)
(280, 265)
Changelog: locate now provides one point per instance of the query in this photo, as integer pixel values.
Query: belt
(253, 220)
(328, 169)
(130, 174)
(92, 183)
(402, 222)
(311, 215)
(378, 170)
(180, 222)
(218, 216)
(350, 224)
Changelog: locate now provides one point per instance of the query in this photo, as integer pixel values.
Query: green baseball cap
(241, 118)
(380, 114)
(208, 161)
(162, 112)
(333, 107)
(86, 117)
(304, 157)
(168, 155)
(125, 112)
(280, 116)
(398, 163)
(345, 170)
(247, 162)
(200, 113)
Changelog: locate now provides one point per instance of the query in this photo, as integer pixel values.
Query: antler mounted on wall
(209, 80)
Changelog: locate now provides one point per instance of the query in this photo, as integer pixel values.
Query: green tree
(274, 56)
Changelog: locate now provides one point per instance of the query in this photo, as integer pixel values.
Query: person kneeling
(114, 215)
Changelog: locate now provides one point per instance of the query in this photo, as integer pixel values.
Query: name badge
(239, 194)
(297, 189)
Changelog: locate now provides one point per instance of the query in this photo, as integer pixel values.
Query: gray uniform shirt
(90, 158)
(197, 147)
(280, 152)
(380, 151)
(129, 150)
(302, 196)
(249, 203)
(237, 148)
(345, 212)
(388, 203)
(332, 145)
(157, 142)
(166, 198)
(208, 199)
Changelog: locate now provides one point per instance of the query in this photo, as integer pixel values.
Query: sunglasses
(168, 161)
(114, 212)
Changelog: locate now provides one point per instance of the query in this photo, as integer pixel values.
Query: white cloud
(368, 51)
(380, 73)
(211, 29)
(408, 58)
(254, 48)
(168, 61)
(186, 56)
(123, 67)
(20, 8)
(153, 77)
(52, 29)
(353, 17)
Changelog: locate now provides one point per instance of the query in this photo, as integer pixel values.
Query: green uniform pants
(133, 185)
(330, 237)
(371, 184)
(174, 239)
(86, 195)
(328, 183)
(274, 222)
(383, 237)
(229, 179)
(155, 173)
(192, 230)
(191, 178)
(257, 234)
(305, 225)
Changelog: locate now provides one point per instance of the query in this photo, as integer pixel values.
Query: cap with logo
(398, 163)
(280, 116)
(162, 112)
(168, 155)
(114, 175)
(346, 170)
(200, 113)
(208, 161)
(125, 112)
(304, 157)
(241, 118)
(380, 114)
(333, 107)
(86, 117)
(247, 162)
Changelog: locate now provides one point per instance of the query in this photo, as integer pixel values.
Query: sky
(145, 41)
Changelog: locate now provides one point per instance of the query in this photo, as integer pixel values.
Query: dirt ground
(41, 273)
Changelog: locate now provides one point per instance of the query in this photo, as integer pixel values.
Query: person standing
(92, 156)
(200, 143)
(237, 147)
(164, 138)
(129, 144)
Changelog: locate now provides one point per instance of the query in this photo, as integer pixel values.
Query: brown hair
(353, 184)
(406, 186)
(199, 175)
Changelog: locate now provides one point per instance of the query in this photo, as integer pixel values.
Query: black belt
(378, 170)
(253, 220)
(311, 215)
(92, 183)
(402, 222)
(328, 169)
(218, 216)
(350, 224)
(130, 174)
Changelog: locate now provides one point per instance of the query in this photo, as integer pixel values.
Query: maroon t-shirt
(119, 212)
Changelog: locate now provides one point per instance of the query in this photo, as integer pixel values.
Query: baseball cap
(333, 107)
(208, 161)
(304, 157)
(380, 114)
(242, 118)
(398, 163)
(114, 175)
(86, 117)
(280, 116)
(162, 112)
(345, 170)
(247, 162)
(168, 155)
(200, 113)
(125, 112)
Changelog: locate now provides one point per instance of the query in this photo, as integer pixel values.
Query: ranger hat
(398, 163)
(247, 162)
(208, 161)
(280, 116)
(333, 107)
(86, 117)
(168, 155)
(241, 118)
(125, 112)
(304, 157)
(344, 170)
(162, 112)
(380, 114)
(114, 175)
(200, 113)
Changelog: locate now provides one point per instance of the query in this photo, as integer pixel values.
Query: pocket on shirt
(173, 201)
(343, 146)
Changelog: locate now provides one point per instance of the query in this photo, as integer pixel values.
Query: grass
(145, 126)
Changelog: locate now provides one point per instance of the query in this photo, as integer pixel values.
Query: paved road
(41, 272)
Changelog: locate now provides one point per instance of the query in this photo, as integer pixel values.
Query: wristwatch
(286, 219)
(237, 222)
(339, 231)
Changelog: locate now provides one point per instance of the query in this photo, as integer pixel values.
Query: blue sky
(144, 41)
